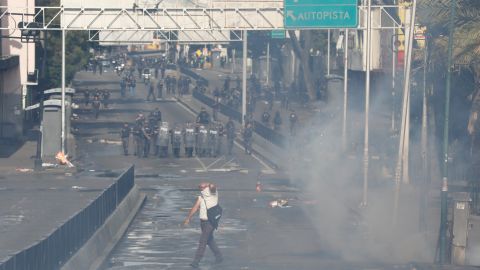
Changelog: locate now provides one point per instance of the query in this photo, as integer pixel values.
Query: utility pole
(328, 52)
(424, 143)
(367, 103)
(444, 192)
(268, 62)
(63, 91)
(402, 157)
(345, 90)
(244, 78)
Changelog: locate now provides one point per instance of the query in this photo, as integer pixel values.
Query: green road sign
(301, 14)
(278, 34)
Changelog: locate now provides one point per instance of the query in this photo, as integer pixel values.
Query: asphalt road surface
(252, 235)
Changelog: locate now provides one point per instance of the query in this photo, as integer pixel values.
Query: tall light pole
(328, 52)
(367, 103)
(444, 193)
(402, 158)
(244, 77)
(345, 90)
(63, 133)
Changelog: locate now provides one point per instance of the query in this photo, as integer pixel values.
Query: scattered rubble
(24, 170)
(279, 203)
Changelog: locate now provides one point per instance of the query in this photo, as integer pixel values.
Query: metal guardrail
(57, 248)
(187, 71)
(265, 132)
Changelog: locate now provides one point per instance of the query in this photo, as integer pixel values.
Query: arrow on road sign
(290, 14)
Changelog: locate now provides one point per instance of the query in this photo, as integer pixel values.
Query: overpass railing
(62, 243)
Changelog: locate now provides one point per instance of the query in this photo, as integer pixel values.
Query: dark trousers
(146, 148)
(230, 145)
(206, 238)
(150, 94)
(125, 145)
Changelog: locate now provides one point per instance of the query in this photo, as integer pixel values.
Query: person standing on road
(137, 139)
(208, 198)
(266, 118)
(125, 135)
(123, 87)
(277, 121)
(293, 122)
(248, 138)
(105, 98)
(231, 133)
(86, 95)
(96, 106)
(151, 92)
(147, 133)
(203, 117)
(160, 88)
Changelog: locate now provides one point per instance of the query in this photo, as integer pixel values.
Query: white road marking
(216, 161)
(201, 163)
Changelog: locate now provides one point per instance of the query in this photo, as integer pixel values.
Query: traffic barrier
(54, 250)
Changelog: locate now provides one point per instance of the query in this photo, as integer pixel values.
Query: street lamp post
(244, 77)
(63, 91)
(367, 103)
(444, 193)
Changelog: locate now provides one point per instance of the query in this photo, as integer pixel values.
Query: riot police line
(154, 137)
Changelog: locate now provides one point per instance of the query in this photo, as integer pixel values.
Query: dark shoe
(194, 265)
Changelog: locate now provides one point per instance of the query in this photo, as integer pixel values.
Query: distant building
(17, 72)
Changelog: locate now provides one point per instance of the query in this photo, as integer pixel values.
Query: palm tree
(435, 14)
(466, 53)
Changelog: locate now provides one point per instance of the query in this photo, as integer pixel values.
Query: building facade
(17, 64)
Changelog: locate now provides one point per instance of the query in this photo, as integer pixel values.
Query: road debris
(62, 159)
(78, 188)
(279, 203)
(48, 165)
(24, 170)
(258, 187)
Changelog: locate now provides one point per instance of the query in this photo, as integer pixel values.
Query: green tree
(50, 55)
(435, 14)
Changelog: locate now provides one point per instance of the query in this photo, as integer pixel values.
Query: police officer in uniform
(231, 133)
(293, 121)
(147, 137)
(163, 139)
(202, 142)
(203, 117)
(189, 139)
(212, 141)
(266, 118)
(96, 106)
(176, 141)
(248, 138)
(86, 95)
(221, 134)
(138, 140)
(125, 135)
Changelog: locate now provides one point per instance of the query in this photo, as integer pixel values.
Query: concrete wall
(93, 254)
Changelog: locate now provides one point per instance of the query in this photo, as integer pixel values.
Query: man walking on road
(208, 198)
